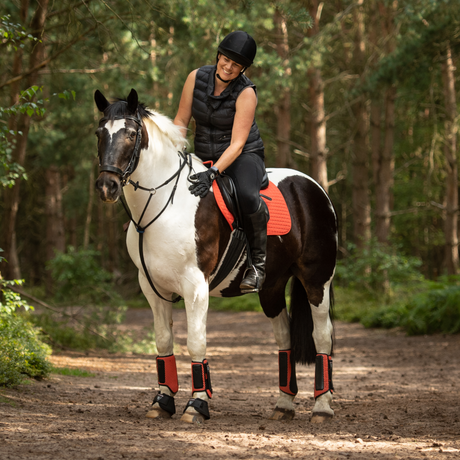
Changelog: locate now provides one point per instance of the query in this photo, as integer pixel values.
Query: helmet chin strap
(229, 81)
(225, 81)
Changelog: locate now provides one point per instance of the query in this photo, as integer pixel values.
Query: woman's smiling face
(228, 69)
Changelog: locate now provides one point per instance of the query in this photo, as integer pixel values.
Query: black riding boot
(256, 233)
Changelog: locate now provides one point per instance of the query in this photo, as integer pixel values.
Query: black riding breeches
(247, 172)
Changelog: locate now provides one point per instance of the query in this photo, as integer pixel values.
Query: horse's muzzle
(109, 187)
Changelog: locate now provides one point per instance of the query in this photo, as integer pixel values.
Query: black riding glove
(202, 181)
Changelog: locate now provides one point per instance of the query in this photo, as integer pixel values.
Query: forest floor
(395, 397)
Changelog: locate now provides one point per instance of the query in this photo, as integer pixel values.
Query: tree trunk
(450, 151)
(385, 171)
(384, 164)
(11, 270)
(283, 108)
(55, 234)
(89, 209)
(360, 195)
(317, 123)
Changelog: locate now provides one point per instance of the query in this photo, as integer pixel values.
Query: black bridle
(185, 159)
(134, 160)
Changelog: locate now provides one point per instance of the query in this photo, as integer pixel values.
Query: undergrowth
(75, 372)
(434, 309)
(23, 352)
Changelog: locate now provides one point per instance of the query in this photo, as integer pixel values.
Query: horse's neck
(153, 170)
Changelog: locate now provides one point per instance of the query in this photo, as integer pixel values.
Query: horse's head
(121, 136)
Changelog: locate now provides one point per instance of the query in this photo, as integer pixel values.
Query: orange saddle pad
(280, 218)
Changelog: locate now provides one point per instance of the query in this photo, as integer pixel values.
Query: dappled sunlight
(392, 399)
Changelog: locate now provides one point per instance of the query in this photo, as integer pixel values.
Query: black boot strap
(166, 402)
(200, 405)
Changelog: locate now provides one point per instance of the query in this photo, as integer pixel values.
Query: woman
(223, 101)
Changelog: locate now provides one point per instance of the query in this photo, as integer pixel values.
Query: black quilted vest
(214, 116)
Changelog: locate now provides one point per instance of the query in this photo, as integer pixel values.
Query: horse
(176, 241)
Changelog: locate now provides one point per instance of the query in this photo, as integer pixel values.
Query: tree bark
(318, 149)
(450, 152)
(360, 194)
(55, 233)
(283, 107)
(385, 172)
(11, 270)
(384, 164)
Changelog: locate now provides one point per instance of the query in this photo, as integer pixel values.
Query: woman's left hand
(202, 181)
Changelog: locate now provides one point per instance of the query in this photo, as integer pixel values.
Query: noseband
(134, 160)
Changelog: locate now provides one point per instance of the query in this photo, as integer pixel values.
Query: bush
(436, 309)
(371, 268)
(78, 276)
(22, 351)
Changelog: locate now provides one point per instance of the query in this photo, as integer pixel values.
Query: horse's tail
(301, 325)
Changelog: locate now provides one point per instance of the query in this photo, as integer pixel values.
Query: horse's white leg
(284, 409)
(166, 366)
(322, 336)
(196, 297)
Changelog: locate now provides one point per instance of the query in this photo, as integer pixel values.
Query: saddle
(279, 222)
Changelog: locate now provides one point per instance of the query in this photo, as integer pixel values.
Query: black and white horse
(176, 241)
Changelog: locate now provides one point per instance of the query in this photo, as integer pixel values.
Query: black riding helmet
(240, 47)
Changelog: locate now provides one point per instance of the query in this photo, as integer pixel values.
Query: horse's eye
(132, 135)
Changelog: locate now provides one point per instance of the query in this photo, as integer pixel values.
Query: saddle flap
(226, 189)
(280, 217)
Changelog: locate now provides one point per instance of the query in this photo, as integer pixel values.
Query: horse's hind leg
(163, 404)
(322, 336)
(284, 409)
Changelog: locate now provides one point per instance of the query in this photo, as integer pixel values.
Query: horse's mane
(165, 126)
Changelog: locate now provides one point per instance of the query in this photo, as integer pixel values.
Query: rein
(185, 159)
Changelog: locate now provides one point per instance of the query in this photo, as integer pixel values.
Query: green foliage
(96, 328)
(14, 34)
(22, 351)
(370, 267)
(353, 304)
(248, 302)
(78, 276)
(436, 309)
(75, 372)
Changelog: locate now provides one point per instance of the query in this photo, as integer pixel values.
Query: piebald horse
(177, 239)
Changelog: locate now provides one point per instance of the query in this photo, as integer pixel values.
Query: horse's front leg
(284, 409)
(196, 297)
(163, 404)
(322, 336)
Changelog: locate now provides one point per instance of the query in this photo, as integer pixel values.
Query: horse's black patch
(119, 108)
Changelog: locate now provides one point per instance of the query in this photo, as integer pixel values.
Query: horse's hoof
(320, 417)
(158, 413)
(194, 419)
(282, 414)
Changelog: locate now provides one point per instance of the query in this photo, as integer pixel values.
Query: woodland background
(361, 95)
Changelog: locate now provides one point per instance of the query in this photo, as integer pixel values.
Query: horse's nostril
(113, 186)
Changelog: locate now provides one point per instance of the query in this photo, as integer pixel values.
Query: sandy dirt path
(395, 397)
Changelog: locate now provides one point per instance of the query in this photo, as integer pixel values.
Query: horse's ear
(101, 102)
(133, 101)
